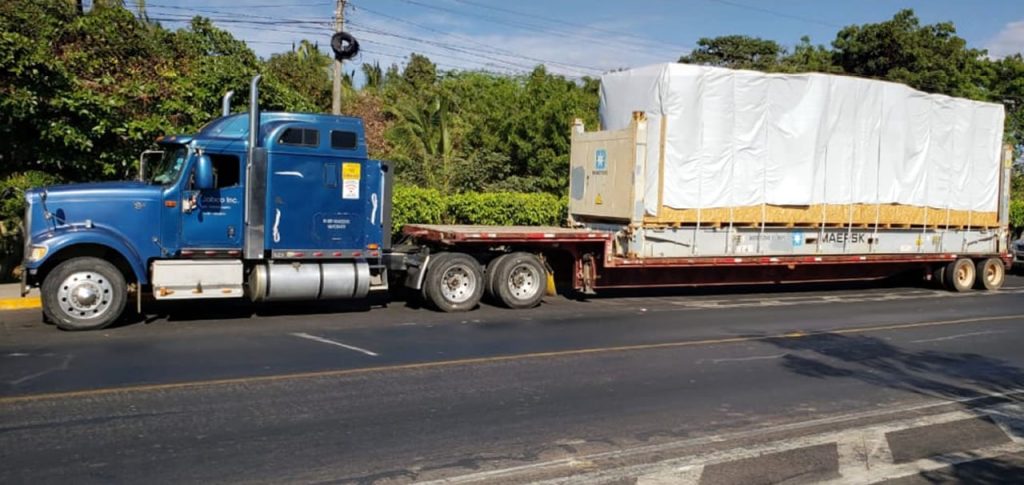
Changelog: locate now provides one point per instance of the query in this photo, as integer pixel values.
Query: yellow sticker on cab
(350, 171)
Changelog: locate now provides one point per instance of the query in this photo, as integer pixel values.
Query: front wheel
(84, 294)
(454, 282)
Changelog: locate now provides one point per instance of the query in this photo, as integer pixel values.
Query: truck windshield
(169, 167)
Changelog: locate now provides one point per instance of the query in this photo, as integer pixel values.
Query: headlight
(37, 253)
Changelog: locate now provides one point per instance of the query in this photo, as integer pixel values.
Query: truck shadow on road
(217, 310)
(939, 374)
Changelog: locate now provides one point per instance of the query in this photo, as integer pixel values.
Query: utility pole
(339, 25)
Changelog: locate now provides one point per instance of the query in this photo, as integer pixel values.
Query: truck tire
(454, 282)
(84, 293)
(490, 291)
(520, 280)
(960, 275)
(991, 274)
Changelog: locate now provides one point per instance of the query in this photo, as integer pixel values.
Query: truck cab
(273, 206)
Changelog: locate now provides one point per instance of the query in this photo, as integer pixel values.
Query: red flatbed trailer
(589, 255)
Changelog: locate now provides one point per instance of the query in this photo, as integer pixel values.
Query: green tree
(306, 71)
(927, 57)
(737, 52)
(807, 57)
(425, 142)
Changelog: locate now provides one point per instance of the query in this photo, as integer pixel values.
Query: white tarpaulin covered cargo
(742, 138)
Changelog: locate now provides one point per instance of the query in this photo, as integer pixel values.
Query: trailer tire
(491, 291)
(939, 276)
(454, 282)
(960, 275)
(520, 280)
(991, 274)
(84, 293)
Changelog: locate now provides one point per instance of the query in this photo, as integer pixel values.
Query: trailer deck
(455, 233)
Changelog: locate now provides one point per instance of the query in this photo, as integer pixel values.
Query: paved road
(603, 390)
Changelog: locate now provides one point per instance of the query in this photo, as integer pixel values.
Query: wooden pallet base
(857, 215)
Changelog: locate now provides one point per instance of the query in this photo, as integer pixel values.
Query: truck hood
(99, 190)
(125, 205)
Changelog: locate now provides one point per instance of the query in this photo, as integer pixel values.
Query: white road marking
(332, 342)
(954, 337)
(17, 354)
(62, 366)
(696, 461)
(745, 359)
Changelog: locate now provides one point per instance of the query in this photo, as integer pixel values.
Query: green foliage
(429, 206)
(736, 51)
(507, 209)
(12, 190)
(1017, 214)
(416, 205)
(12, 205)
(83, 95)
(929, 57)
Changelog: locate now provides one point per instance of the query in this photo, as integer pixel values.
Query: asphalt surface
(364, 393)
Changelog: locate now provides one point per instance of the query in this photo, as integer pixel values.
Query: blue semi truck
(269, 206)
(288, 206)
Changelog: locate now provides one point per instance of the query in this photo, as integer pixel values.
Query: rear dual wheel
(963, 274)
(516, 280)
(991, 273)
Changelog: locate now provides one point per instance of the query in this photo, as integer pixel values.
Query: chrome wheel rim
(85, 295)
(523, 282)
(458, 283)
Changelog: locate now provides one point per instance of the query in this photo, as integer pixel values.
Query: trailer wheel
(991, 274)
(960, 275)
(939, 276)
(454, 282)
(491, 290)
(84, 293)
(520, 280)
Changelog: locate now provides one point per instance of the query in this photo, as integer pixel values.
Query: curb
(25, 303)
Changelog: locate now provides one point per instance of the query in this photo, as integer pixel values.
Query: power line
(305, 27)
(454, 48)
(572, 24)
(776, 13)
(484, 46)
(316, 28)
(619, 44)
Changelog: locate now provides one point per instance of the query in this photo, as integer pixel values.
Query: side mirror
(204, 173)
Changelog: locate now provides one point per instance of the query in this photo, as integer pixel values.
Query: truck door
(213, 218)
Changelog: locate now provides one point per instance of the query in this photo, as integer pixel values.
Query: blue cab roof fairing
(236, 128)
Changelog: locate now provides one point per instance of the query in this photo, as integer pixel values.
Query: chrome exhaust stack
(225, 103)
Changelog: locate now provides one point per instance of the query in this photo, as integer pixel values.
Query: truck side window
(345, 140)
(227, 170)
(306, 137)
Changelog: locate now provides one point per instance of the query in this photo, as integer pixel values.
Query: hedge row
(429, 206)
